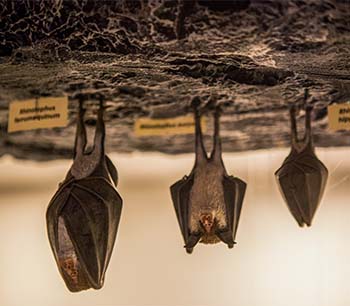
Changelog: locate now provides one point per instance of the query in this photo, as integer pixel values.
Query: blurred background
(275, 263)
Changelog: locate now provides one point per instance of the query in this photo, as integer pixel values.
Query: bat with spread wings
(208, 202)
(302, 177)
(83, 216)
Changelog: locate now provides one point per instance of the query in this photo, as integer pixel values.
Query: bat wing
(82, 222)
(302, 182)
(180, 193)
(112, 170)
(234, 191)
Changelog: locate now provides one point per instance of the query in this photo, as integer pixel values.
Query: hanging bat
(302, 177)
(208, 202)
(83, 216)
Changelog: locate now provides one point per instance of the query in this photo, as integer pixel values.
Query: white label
(339, 116)
(38, 114)
(171, 126)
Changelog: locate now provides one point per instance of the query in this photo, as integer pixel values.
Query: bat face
(302, 177)
(208, 202)
(209, 229)
(207, 222)
(83, 216)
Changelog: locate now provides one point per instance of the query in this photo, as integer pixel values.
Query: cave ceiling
(148, 59)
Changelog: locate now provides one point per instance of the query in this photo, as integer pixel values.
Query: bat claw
(309, 107)
(294, 108)
(101, 99)
(196, 102)
(306, 95)
(212, 102)
(218, 110)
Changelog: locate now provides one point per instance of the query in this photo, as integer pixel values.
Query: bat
(83, 215)
(208, 202)
(302, 177)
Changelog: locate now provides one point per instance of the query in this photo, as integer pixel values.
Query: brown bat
(83, 216)
(302, 177)
(208, 202)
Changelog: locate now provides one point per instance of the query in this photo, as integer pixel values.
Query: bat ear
(191, 242)
(226, 237)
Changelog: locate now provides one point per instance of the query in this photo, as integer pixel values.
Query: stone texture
(254, 57)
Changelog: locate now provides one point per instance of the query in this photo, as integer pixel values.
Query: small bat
(208, 202)
(83, 216)
(302, 177)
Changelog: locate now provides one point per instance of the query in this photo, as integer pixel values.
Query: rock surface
(253, 57)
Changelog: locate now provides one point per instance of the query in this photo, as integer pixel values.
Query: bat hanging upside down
(302, 177)
(83, 216)
(208, 202)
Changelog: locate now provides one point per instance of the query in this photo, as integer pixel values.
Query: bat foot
(101, 100)
(82, 110)
(306, 95)
(306, 98)
(294, 109)
(309, 108)
(291, 107)
(196, 102)
(212, 104)
(217, 111)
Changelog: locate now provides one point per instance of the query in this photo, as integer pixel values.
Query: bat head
(207, 222)
(78, 273)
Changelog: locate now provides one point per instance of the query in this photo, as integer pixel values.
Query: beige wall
(275, 263)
